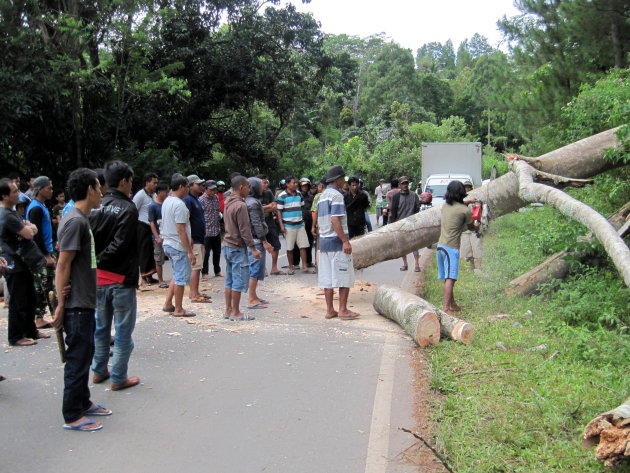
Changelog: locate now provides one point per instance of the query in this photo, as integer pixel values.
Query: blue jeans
(79, 327)
(116, 303)
(237, 268)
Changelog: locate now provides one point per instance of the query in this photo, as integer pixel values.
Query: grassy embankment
(504, 406)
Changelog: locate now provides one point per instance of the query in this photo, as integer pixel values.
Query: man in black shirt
(22, 329)
(357, 202)
(75, 311)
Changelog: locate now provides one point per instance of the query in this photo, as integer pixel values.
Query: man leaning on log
(456, 217)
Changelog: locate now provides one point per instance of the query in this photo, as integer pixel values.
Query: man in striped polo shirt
(335, 249)
(290, 204)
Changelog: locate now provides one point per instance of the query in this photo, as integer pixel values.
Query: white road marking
(378, 444)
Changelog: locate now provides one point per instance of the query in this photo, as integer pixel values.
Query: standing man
(198, 234)
(404, 204)
(357, 203)
(290, 204)
(37, 213)
(155, 221)
(259, 232)
(143, 200)
(270, 207)
(238, 238)
(335, 249)
(388, 200)
(212, 241)
(456, 217)
(114, 227)
(75, 313)
(22, 330)
(177, 244)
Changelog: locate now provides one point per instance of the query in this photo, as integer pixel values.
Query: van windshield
(436, 190)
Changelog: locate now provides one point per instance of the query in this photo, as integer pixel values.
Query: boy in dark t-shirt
(75, 312)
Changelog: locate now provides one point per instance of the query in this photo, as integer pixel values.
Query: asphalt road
(288, 392)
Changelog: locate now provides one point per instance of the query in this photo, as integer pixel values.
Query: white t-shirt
(143, 201)
(174, 211)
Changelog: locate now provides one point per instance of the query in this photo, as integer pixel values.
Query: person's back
(237, 225)
(174, 211)
(455, 220)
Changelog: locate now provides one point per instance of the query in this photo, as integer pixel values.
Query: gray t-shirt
(143, 201)
(174, 211)
(75, 235)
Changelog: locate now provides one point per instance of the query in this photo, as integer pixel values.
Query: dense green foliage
(215, 86)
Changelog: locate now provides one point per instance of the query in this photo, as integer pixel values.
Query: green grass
(527, 410)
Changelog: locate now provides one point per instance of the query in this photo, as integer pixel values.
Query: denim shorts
(257, 266)
(448, 262)
(237, 268)
(181, 265)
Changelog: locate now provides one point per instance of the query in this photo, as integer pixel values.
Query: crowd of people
(89, 254)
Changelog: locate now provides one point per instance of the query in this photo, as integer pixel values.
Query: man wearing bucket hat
(335, 250)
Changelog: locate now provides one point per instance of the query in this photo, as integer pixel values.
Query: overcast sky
(412, 23)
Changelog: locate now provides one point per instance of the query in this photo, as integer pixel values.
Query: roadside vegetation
(518, 398)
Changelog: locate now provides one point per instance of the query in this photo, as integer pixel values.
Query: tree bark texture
(414, 282)
(610, 431)
(454, 328)
(416, 316)
(578, 160)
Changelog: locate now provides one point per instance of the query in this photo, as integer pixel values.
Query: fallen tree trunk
(582, 159)
(414, 282)
(576, 210)
(611, 430)
(410, 312)
(556, 266)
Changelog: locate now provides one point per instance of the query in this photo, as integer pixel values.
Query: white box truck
(446, 162)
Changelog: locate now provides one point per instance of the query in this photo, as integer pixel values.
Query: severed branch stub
(610, 431)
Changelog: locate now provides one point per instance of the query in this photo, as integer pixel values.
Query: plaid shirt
(211, 214)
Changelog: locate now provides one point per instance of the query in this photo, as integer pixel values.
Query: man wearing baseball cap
(198, 235)
(404, 204)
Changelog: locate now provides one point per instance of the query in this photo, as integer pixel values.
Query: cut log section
(454, 328)
(413, 314)
(414, 282)
(610, 431)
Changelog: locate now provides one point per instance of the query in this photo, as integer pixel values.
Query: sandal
(278, 273)
(163, 285)
(168, 309)
(80, 427)
(201, 299)
(94, 411)
(417, 269)
(25, 342)
(353, 316)
(186, 313)
(291, 272)
(404, 268)
(245, 317)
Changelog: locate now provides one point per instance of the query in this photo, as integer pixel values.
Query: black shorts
(273, 235)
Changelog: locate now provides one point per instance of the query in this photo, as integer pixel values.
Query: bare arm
(336, 225)
(62, 279)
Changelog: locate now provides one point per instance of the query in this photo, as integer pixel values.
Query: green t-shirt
(455, 219)
(315, 200)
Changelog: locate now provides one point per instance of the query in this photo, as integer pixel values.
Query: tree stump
(610, 431)
(413, 314)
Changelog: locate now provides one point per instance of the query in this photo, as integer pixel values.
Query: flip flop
(244, 318)
(263, 301)
(186, 313)
(258, 306)
(308, 271)
(417, 269)
(350, 317)
(94, 411)
(168, 309)
(278, 273)
(291, 273)
(83, 424)
(163, 285)
(404, 268)
(201, 300)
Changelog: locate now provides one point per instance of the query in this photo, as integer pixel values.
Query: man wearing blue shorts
(456, 218)
(177, 244)
(238, 238)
